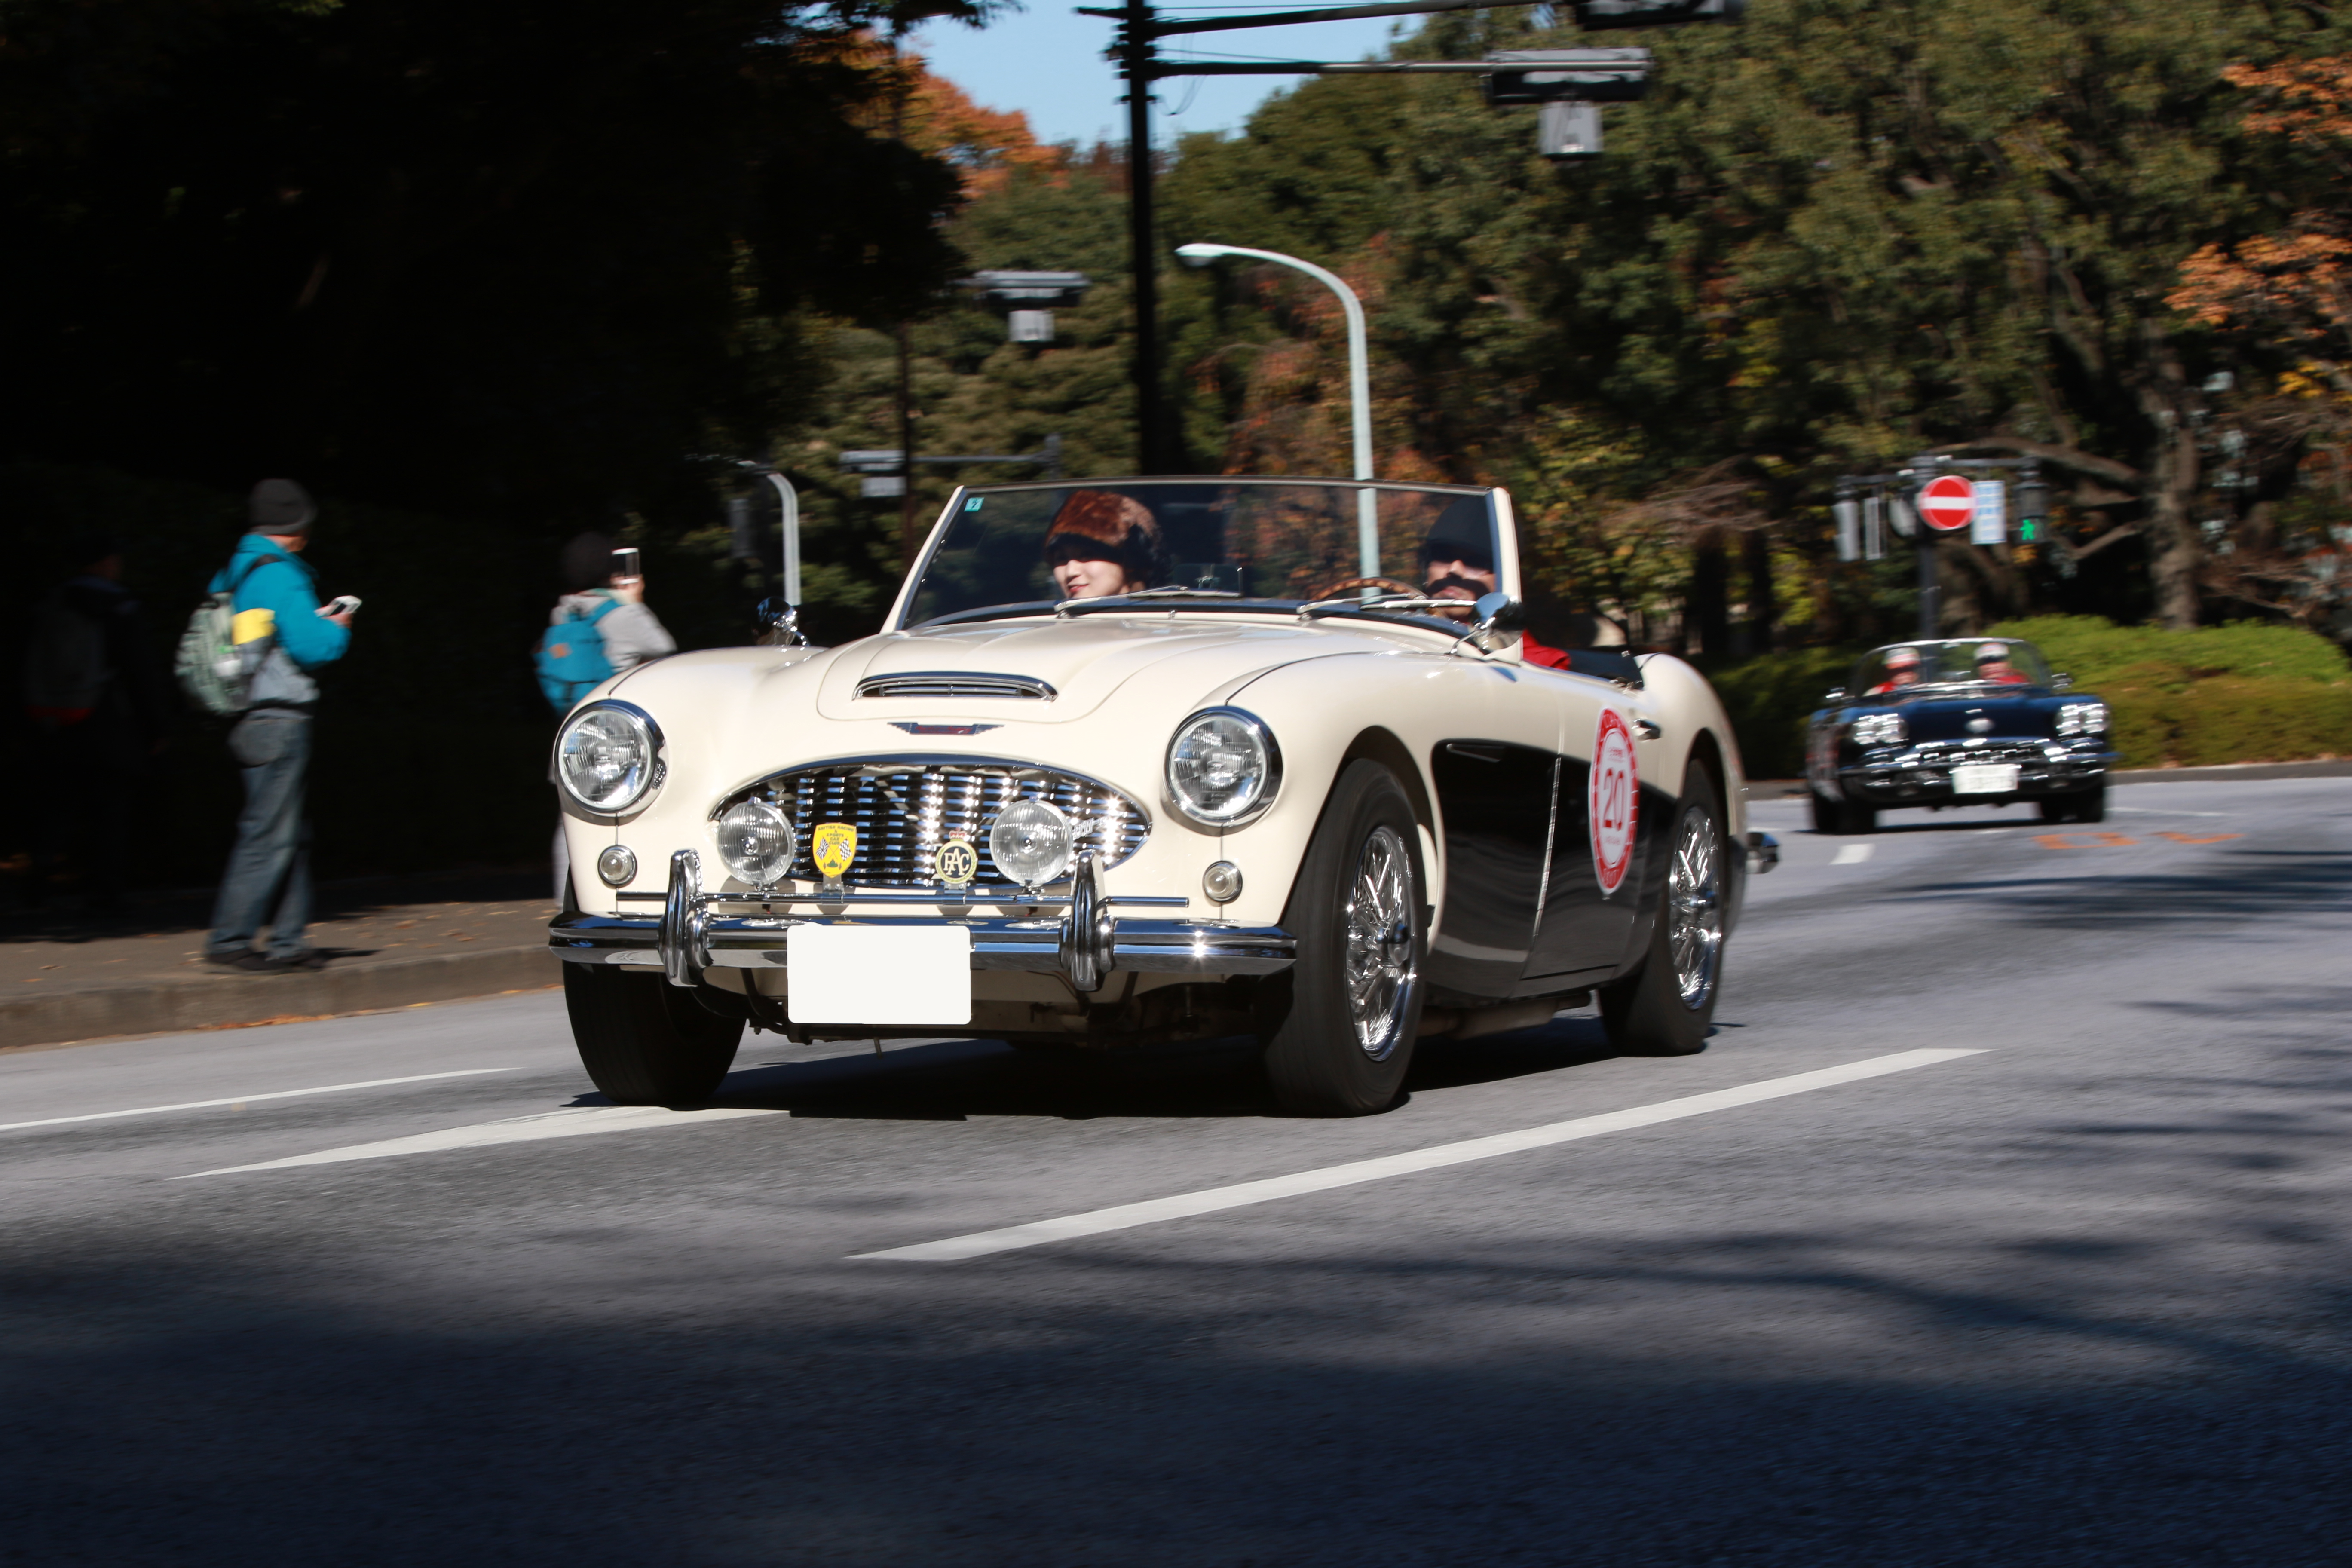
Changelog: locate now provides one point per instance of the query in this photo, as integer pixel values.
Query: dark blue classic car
(1977, 723)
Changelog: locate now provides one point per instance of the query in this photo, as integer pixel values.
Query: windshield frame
(1506, 561)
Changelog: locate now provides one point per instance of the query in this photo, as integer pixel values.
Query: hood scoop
(955, 685)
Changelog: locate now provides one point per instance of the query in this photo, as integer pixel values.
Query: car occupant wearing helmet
(1992, 665)
(1103, 543)
(1902, 671)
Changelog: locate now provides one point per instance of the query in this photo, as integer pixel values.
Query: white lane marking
(249, 1098)
(573, 1121)
(1127, 1215)
(2151, 811)
(1852, 854)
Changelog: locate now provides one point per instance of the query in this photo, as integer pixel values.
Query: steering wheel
(1389, 584)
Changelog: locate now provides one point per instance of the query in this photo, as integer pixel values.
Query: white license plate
(1985, 778)
(878, 974)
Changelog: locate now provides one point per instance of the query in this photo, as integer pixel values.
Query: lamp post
(1359, 384)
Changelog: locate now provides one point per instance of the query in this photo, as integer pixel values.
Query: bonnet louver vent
(949, 684)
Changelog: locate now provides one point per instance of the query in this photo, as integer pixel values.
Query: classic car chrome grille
(904, 811)
(950, 685)
(1948, 752)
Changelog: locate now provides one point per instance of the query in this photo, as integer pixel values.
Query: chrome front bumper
(1086, 941)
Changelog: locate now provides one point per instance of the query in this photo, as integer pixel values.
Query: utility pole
(906, 347)
(1137, 57)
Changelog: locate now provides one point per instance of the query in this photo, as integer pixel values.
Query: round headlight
(1031, 842)
(1222, 767)
(757, 842)
(608, 757)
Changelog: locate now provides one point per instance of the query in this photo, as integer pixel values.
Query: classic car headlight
(757, 842)
(1222, 767)
(2083, 718)
(1879, 730)
(608, 756)
(1031, 842)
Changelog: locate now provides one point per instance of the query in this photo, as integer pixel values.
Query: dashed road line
(571, 1122)
(1125, 1216)
(243, 1099)
(1852, 854)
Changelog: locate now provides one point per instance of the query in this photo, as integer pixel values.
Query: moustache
(1452, 580)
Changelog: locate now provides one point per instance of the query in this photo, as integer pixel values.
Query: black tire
(2083, 806)
(1653, 1012)
(645, 1041)
(1842, 816)
(2056, 808)
(1316, 1058)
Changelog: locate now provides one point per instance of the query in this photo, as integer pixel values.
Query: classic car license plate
(878, 974)
(1985, 778)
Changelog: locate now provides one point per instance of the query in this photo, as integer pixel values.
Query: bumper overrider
(1910, 778)
(1085, 939)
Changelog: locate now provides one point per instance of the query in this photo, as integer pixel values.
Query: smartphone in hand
(340, 604)
(626, 566)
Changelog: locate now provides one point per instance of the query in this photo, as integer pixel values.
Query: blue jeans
(268, 874)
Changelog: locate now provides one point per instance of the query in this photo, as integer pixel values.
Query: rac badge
(833, 846)
(956, 862)
(1612, 802)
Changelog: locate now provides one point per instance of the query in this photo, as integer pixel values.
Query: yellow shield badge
(833, 846)
(956, 862)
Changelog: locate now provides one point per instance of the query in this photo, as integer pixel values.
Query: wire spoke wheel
(1380, 964)
(1695, 907)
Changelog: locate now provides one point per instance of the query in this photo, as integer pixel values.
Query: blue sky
(1047, 61)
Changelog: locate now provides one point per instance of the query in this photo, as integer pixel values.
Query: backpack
(571, 658)
(66, 668)
(210, 666)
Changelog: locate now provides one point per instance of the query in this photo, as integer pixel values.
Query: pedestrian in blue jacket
(268, 874)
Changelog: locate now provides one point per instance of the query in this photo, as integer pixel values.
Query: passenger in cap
(1101, 543)
(1457, 562)
(1992, 665)
(1902, 671)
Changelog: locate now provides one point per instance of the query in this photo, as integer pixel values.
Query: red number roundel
(1612, 803)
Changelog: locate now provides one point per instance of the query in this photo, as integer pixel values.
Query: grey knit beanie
(280, 506)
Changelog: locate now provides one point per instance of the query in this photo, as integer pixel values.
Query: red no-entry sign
(1947, 503)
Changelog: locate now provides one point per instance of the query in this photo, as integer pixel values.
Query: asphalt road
(2077, 1297)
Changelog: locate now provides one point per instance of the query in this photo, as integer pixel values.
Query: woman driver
(1101, 543)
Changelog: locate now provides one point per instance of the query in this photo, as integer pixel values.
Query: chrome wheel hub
(1381, 963)
(1694, 907)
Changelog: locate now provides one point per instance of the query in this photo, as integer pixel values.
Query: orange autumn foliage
(934, 115)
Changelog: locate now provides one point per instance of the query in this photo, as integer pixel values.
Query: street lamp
(1359, 384)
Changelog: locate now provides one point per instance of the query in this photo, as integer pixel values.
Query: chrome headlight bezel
(1873, 730)
(2080, 719)
(1251, 807)
(655, 768)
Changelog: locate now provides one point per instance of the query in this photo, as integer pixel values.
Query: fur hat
(1104, 525)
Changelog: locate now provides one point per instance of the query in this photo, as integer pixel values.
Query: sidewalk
(395, 943)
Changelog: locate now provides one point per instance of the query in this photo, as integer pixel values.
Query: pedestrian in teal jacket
(268, 875)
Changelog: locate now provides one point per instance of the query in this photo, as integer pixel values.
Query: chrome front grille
(950, 685)
(904, 810)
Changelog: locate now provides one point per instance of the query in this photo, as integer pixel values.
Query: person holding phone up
(267, 879)
(601, 627)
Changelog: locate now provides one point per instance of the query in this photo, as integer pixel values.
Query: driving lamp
(608, 756)
(1031, 842)
(757, 842)
(1222, 767)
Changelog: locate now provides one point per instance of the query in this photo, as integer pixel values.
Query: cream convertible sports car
(1141, 761)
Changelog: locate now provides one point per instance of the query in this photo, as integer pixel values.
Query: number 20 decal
(1612, 803)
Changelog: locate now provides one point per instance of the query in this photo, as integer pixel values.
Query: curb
(2217, 772)
(235, 999)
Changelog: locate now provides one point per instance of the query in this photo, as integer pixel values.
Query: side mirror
(2062, 681)
(779, 624)
(1496, 612)
(1835, 694)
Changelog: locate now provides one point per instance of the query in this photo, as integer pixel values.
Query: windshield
(1989, 661)
(1279, 539)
